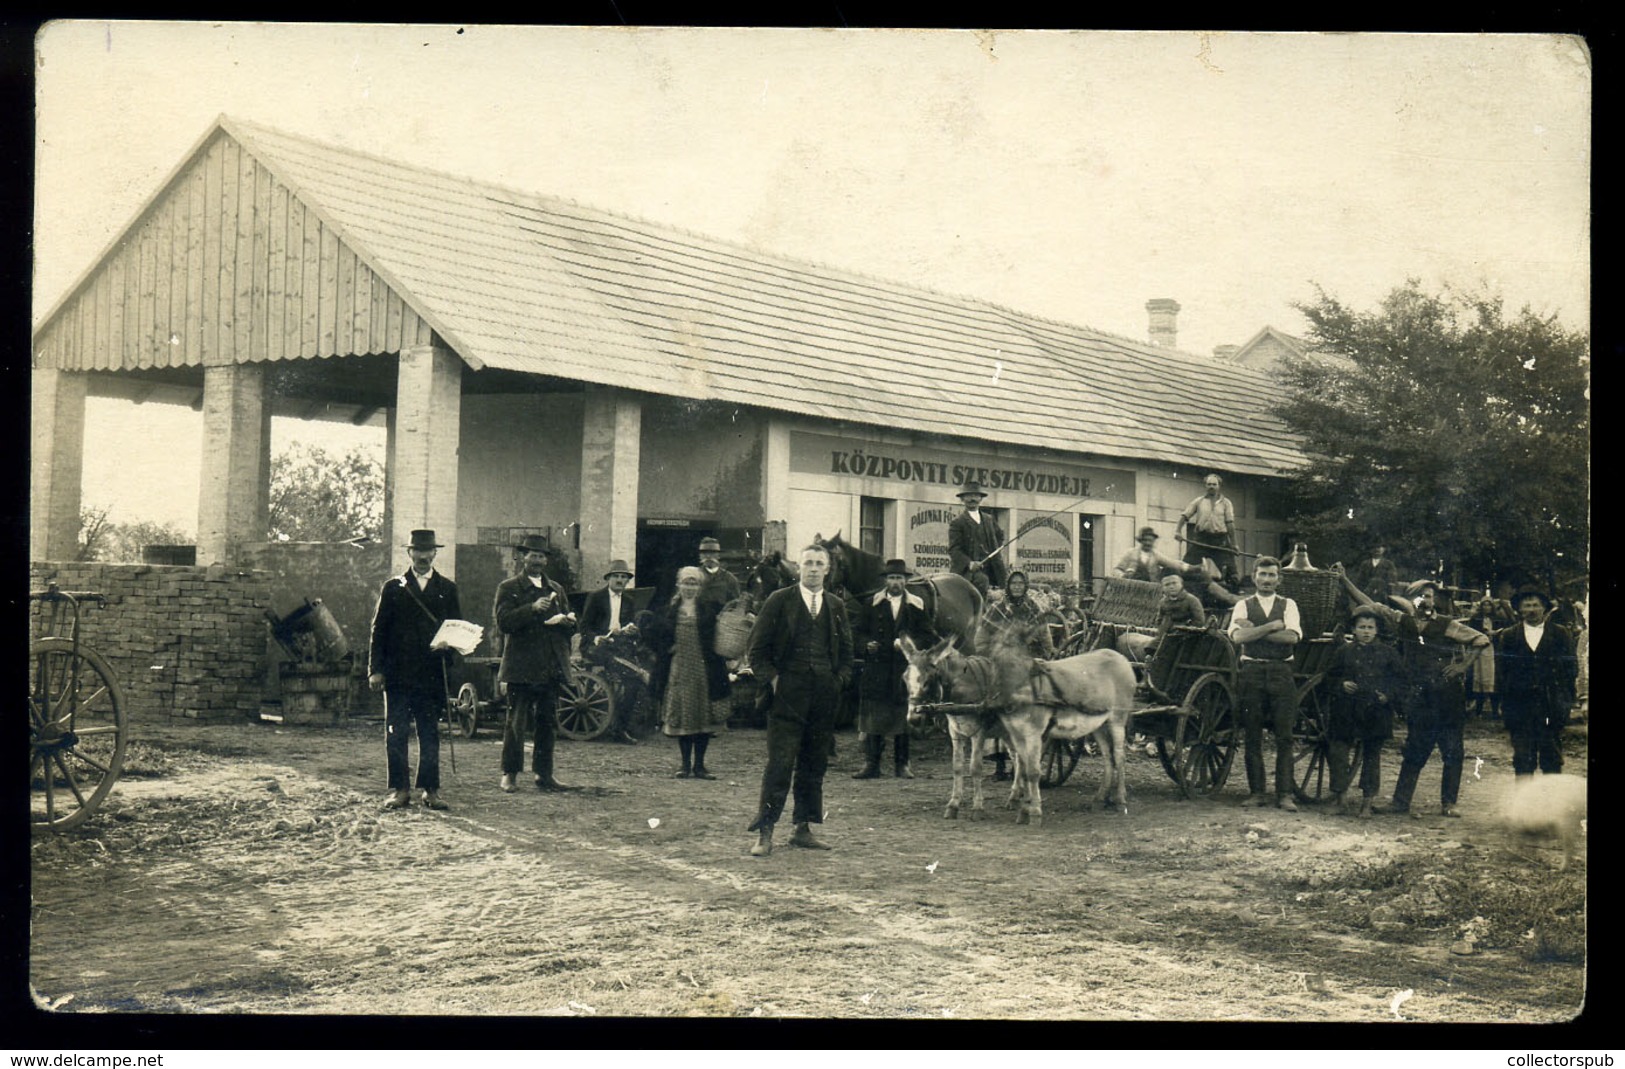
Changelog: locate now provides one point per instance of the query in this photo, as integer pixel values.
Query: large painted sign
(823, 454)
(1044, 548)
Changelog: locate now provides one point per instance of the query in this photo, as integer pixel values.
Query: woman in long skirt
(692, 680)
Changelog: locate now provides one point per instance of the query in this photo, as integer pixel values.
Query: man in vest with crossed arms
(1265, 628)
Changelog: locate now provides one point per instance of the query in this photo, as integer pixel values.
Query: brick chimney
(1225, 352)
(1164, 312)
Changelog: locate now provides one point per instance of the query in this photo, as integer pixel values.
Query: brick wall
(184, 641)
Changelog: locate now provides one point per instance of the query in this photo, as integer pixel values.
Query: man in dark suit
(974, 540)
(882, 698)
(719, 586)
(1376, 575)
(1535, 673)
(410, 610)
(533, 612)
(801, 649)
(607, 613)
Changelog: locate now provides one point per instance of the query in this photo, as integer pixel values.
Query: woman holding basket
(691, 680)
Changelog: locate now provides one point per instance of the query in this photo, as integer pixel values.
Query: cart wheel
(76, 731)
(1204, 743)
(465, 710)
(1311, 750)
(1061, 756)
(586, 706)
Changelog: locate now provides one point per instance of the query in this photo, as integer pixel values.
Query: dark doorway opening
(663, 547)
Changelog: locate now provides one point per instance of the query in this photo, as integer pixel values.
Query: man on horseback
(974, 542)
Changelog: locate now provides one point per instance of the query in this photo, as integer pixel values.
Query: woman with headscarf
(691, 681)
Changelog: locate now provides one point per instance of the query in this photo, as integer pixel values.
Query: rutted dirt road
(248, 869)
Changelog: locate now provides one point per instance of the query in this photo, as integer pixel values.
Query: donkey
(1010, 696)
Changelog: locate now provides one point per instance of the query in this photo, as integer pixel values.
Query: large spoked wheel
(1203, 747)
(76, 733)
(465, 710)
(1311, 749)
(586, 706)
(1061, 756)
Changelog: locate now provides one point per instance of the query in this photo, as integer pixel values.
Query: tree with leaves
(319, 497)
(1456, 434)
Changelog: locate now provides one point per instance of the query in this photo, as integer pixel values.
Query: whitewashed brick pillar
(611, 431)
(423, 475)
(235, 471)
(57, 468)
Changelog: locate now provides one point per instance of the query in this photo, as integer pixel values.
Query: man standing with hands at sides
(801, 649)
(1535, 670)
(534, 613)
(606, 614)
(974, 541)
(1265, 627)
(882, 696)
(1207, 527)
(719, 585)
(1376, 575)
(410, 610)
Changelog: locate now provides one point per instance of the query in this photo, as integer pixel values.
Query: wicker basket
(1132, 602)
(1318, 593)
(733, 630)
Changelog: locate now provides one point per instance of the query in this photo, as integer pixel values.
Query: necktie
(815, 605)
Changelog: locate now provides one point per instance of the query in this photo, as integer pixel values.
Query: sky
(1074, 175)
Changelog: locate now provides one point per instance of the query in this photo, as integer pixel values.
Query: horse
(952, 602)
(769, 574)
(1010, 695)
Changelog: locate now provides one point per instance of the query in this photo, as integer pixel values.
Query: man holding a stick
(975, 541)
(1207, 527)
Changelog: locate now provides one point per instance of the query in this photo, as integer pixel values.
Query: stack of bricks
(184, 642)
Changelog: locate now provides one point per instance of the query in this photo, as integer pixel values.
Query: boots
(1408, 775)
(764, 842)
(1365, 808)
(900, 753)
(803, 838)
(871, 757)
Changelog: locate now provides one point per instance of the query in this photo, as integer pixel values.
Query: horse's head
(928, 673)
(770, 573)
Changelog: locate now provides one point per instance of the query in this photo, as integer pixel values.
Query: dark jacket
(595, 614)
(720, 587)
(773, 638)
(882, 678)
(535, 652)
(971, 541)
(1374, 668)
(661, 636)
(403, 623)
(1375, 582)
(1545, 675)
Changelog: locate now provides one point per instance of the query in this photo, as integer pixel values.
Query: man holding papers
(410, 610)
(534, 613)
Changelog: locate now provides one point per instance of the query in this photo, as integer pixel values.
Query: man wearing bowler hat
(534, 613)
(1535, 671)
(410, 610)
(974, 541)
(719, 584)
(882, 696)
(606, 614)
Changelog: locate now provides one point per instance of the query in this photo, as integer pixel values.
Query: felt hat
(618, 567)
(972, 487)
(896, 566)
(1531, 592)
(1152, 531)
(710, 545)
(533, 543)
(423, 539)
(1415, 589)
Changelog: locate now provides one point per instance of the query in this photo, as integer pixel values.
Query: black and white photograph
(769, 523)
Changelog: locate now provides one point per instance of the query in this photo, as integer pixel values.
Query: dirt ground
(249, 869)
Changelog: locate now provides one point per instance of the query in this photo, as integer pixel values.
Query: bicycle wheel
(76, 730)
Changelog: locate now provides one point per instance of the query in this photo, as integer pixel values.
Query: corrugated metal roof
(538, 284)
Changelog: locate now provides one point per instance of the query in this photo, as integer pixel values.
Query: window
(872, 525)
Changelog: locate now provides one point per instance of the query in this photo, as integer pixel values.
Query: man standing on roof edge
(974, 541)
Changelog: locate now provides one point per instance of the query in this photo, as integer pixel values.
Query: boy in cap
(974, 541)
(411, 608)
(1365, 678)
